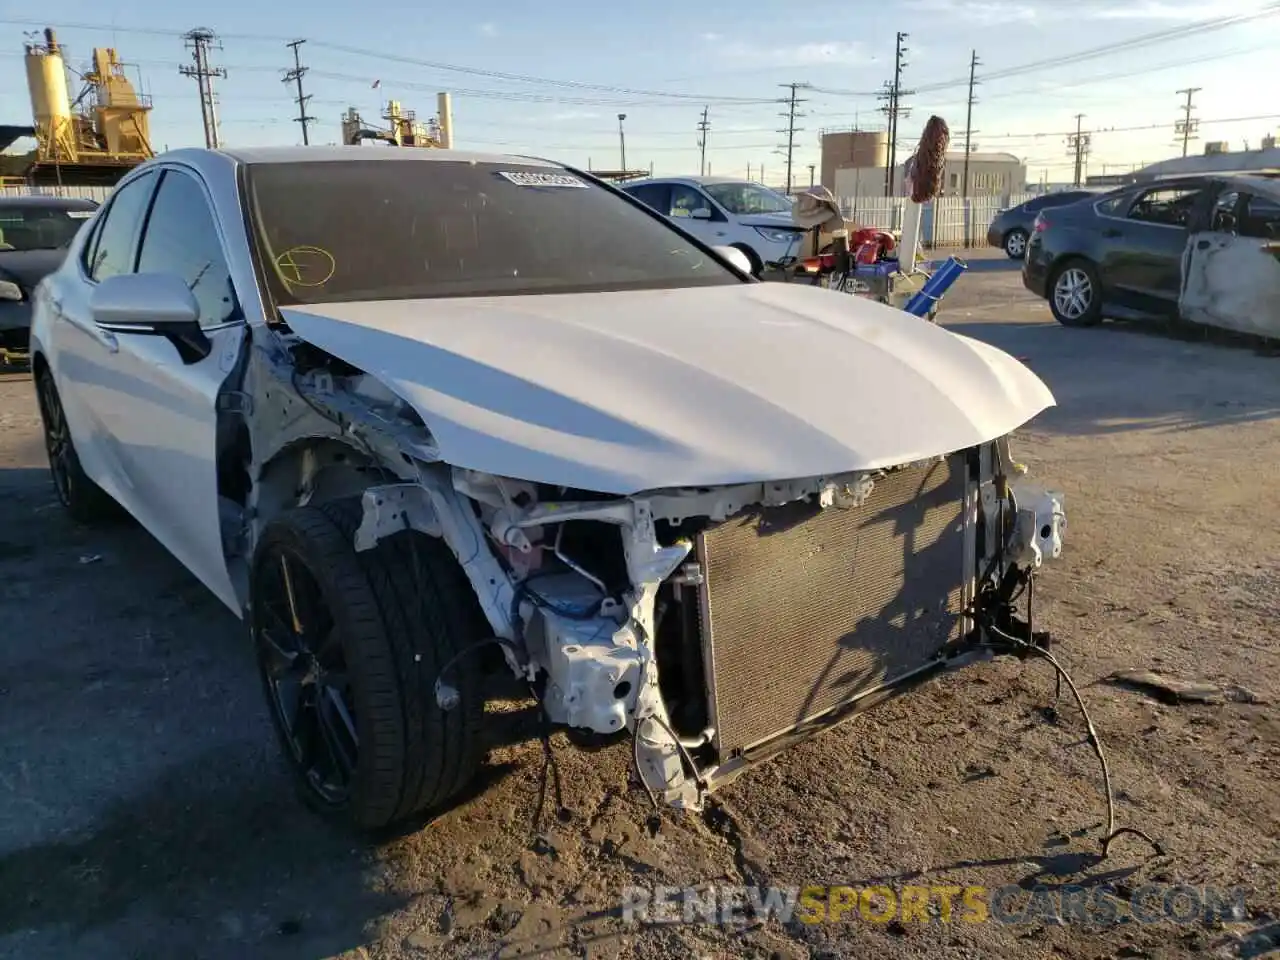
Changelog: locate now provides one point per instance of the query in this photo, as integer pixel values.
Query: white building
(990, 175)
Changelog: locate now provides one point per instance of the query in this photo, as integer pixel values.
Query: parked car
(1012, 226)
(1198, 248)
(725, 211)
(34, 234)
(402, 409)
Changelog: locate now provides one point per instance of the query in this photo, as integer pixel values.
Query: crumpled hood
(623, 392)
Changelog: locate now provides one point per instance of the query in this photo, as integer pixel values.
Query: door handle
(1112, 232)
(1202, 245)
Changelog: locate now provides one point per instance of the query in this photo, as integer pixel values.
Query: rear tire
(1075, 295)
(1015, 244)
(388, 619)
(83, 499)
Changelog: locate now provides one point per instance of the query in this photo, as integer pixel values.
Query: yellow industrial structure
(95, 138)
(403, 127)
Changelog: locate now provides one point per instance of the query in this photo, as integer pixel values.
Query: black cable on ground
(1094, 741)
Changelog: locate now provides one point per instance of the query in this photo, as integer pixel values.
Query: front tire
(1015, 244)
(83, 499)
(350, 646)
(757, 265)
(1075, 294)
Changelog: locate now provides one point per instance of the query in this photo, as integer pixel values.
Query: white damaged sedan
(419, 416)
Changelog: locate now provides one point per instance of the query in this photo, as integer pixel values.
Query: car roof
(700, 181)
(43, 200)
(331, 154)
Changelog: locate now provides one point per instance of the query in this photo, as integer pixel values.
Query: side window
(1167, 206)
(111, 251)
(1112, 206)
(685, 200)
(1223, 218)
(182, 239)
(1260, 218)
(653, 195)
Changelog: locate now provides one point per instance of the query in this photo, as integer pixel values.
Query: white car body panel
(624, 392)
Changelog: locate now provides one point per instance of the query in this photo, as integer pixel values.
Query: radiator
(805, 609)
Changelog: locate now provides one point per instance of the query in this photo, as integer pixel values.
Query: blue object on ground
(935, 287)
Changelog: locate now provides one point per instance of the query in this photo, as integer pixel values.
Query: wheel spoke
(332, 720)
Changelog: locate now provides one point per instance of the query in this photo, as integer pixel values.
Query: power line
(704, 126)
(295, 76)
(1187, 126)
(200, 41)
(1078, 143)
(791, 131)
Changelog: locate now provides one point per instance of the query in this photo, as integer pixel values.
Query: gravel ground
(145, 812)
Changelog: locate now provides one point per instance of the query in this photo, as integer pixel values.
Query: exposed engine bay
(714, 624)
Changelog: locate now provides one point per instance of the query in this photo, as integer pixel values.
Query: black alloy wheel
(82, 498)
(308, 687)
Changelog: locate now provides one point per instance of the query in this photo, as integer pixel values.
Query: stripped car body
(649, 491)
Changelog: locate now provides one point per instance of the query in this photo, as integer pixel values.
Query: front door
(165, 425)
(1231, 274)
(709, 226)
(1142, 267)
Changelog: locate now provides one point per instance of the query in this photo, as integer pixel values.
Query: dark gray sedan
(34, 235)
(1011, 228)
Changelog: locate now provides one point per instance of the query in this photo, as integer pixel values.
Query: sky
(550, 80)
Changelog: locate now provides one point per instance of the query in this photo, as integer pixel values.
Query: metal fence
(80, 193)
(944, 222)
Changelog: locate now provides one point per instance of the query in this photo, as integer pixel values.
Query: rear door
(1231, 271)
(83, 355)
(1143, 244)
(164, 425)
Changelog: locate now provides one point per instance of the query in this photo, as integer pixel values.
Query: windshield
(389, 229)
(740, 198)
(39, 227)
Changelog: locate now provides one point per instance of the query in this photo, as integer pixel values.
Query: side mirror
(10, 290)
(737, 259)
(702, 213)
(151, 304)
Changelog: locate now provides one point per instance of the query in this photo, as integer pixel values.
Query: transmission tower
(791, 116)
(704, 125)
(1078, 145)
(200, 41)
(295, 76)
(894, 110)
(1186, 128)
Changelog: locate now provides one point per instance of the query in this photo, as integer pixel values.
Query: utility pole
(791, 131)
(1186, 127)
(200, 41)
(893, 109)
(1078, 144)
(703, 126)
(812, 167)
(622, 141)
(295, 76)
(968, 143)
(968, 124)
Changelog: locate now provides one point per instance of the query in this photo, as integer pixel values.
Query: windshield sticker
(306, 266)
(524, 178)
(80, 214)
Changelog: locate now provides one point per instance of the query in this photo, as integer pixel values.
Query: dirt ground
(144, 811)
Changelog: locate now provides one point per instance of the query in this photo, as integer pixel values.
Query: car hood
(778, 221)
(29, 267)
(623, 392)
